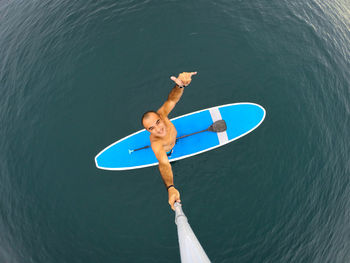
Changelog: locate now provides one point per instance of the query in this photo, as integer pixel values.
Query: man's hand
(184, 79)
(174, 196)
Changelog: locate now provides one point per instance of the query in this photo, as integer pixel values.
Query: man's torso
(169, 140)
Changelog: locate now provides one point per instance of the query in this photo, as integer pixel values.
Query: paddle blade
(218, 126)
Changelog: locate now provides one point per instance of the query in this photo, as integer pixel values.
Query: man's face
(155, 125)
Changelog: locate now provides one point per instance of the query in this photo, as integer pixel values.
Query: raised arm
(166, 173)
(183, 80)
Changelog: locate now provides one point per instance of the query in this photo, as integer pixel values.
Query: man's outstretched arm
(166, 173)
(175, 94)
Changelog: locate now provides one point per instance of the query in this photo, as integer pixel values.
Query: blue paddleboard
(240, 118)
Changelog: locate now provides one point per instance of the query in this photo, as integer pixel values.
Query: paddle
(218, 126)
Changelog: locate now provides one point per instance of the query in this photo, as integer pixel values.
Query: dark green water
(76, 76)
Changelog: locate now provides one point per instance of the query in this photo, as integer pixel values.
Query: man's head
(153, 123)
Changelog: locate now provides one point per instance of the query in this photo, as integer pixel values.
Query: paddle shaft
(181, 137)
(184, 136)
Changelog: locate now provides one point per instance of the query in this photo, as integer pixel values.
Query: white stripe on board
(215, 116)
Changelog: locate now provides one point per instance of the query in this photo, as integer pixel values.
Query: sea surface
(75, 76)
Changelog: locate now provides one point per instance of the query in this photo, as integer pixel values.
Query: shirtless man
(163, 133)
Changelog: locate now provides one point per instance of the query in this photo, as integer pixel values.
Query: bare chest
(169, 139)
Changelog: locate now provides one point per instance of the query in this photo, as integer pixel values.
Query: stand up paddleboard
(240, 118)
